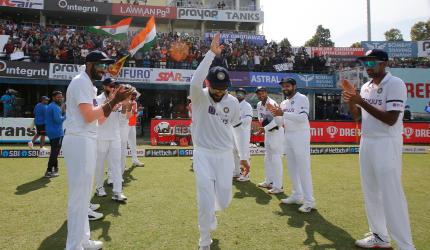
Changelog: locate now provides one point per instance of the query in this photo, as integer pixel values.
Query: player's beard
(288, 93)
(215, 97)
(95, 74)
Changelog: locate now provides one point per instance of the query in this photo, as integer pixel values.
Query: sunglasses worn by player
(371, 64)
(102, 66)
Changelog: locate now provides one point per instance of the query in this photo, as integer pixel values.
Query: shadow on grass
(108, 207)
(32, 186)
(315, 223)
(215, 244)
(249, 189)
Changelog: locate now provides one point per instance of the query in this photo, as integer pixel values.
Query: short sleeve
(303, 106)
(396, 96)
(84, 94)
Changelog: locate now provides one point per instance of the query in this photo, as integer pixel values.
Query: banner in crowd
(26, 4)
(3, 40)
(258, 40)
(171, 132)
(418, 86)
(58, 71)
(220, 15)
(337, 51)
(16, 129)
(303, 80)
(159, 12)
(394, 49)
(76, 6)
(19, 69)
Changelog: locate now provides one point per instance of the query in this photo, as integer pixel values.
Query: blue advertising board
(394, 49)
(303, 80)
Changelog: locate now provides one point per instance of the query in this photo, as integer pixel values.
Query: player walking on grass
(80, 145)
(273, 139)
(216, 116)
(293, 114)
(380, 106)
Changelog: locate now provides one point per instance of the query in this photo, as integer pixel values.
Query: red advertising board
(337, 51)
(166, 131)
(144, 11)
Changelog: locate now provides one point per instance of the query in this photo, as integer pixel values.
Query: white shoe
(372, 241)
(119, 197)
(100, 192)
(276, 190)
(292, 200)
(264, 185)
(92, 215)
(306, 208)
(138, 164)
(30, 144)
(93, 245)
(94, 207)
(43, 149)
(243, 178)
(109, 182)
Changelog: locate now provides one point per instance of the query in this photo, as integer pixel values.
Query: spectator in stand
(55, 116)
(39, 121)
(427, 108)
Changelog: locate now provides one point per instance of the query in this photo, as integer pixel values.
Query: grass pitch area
(161, 211)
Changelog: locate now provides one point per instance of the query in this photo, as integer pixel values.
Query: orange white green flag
(117, 31)
(145, 39)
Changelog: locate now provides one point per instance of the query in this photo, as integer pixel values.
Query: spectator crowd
(66, 44)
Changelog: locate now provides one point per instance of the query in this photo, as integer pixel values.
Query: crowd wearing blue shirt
(7, 100)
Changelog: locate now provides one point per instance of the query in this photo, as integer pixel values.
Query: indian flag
(117, 31)
(145, 39)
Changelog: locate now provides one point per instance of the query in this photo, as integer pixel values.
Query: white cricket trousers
(110, 151)
(80, 157)
(123, 129)
(273, 143)
(214, 173)
(385, 202)
(132, 142)
(297, 150)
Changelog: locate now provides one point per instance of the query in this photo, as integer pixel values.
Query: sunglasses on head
(370, 64)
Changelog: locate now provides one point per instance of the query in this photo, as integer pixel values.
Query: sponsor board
(161, 152)
(26, 4)
(162, 12)
(76, 6)
(303, 80)
(185, 152)
(19, 69)
(220, 15)
(171, 76)
(394, 49)
(18, 153)
(337, 51)
(334, 150)
(16, 129)
(46, 153)
(60, 71)
(258, 40)
(423, 48)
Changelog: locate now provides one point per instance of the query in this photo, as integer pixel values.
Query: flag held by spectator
(145, 39)
(117, 31)
(115, 68)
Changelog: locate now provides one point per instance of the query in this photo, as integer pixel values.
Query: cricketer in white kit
(245, 129)
(109, 146)
(293, 114)
(80, 146)
(132, 130)
(381, 102)
(273, 143)
(215, 113)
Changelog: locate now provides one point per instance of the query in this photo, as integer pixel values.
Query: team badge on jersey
(379, 91)
(226, 110)
(211, 110)
(292, 102)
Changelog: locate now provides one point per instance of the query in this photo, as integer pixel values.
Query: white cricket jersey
(245, 115)
(265, 114)
(109, 130)
(296, 113)
(80, 90)
(388, 96)
(212, 121)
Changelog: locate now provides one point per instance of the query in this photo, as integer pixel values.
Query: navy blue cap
(377, 54)
(44, 98)
(218, 77)
(109, 81)
(260, 88)
(288, 80)
(98, 56)
(241, 90)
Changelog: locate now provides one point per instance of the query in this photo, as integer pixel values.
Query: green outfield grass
(161, 212)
